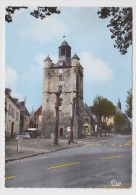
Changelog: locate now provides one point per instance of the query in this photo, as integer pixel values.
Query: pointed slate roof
(48, 58)
(75, 57)
(64, 43)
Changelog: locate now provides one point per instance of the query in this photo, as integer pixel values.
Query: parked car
(31, 134)
(24, 136)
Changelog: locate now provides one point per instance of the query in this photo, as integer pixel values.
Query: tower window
(60, 88)
(68, 52)
(63, 51)
(60, 77)
(60, 115)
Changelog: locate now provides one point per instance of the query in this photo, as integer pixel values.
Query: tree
(129, 104)
(119, 118)
(40, 12)
(120, 25)
(103, 109)
(119, 121)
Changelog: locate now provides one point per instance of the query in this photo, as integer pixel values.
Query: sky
(29, 41)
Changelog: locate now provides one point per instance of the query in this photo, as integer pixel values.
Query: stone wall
(72, 86)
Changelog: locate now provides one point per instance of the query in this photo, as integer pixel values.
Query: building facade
(12, 115)
(87, 120)
(66, 77)
(17, 117)
(24, 117)
(37, 119)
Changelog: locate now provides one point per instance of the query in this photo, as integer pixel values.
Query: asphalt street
(104, 163)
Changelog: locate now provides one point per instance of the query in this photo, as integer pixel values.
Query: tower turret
(64, 54)
(47, 62)
(75, 60)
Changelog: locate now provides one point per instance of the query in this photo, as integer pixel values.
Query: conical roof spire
(64, 43)
(48, 58)
(119, 104)
(75, 57)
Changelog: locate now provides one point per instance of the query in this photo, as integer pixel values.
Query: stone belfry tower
(66, 76)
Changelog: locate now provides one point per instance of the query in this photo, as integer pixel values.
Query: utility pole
(57, 104)
(72, 121)
(24, 125)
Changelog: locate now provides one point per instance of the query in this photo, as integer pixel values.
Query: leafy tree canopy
(103, 108)
(120, 25)
(119, 118)
(40, 12)
(129, 104)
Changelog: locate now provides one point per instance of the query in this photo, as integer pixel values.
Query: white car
(24, 136)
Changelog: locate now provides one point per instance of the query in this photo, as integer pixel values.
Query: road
(104, 163)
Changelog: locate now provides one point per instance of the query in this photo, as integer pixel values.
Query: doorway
(12, 129)
(61, 131)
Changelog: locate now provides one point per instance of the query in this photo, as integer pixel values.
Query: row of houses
(38, 121)
(17, 117)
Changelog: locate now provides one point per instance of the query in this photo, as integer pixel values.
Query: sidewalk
(36, 146)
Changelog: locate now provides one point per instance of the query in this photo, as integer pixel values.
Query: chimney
(22, 103)
(8, 91)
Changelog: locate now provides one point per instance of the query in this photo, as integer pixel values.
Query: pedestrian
(96, 128)
(52, 138)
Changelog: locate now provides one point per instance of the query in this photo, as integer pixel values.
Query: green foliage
(103, 108)
(98, 106)
(111, 125)
(119, 119)
(40, 12)
(120, 25)
(129, 104)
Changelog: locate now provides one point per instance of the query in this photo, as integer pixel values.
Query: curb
(37, 154)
